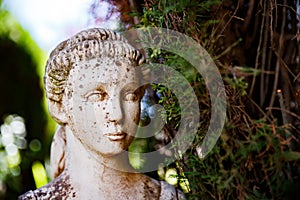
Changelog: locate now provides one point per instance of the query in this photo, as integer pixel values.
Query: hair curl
(87, 44)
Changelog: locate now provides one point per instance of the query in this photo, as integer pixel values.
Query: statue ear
(57, 111)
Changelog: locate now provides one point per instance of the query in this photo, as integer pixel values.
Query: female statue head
(88, 44)
(92, 87)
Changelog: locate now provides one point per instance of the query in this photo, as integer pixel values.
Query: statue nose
(115, 112)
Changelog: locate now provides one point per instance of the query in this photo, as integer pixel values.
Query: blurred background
(256, 46)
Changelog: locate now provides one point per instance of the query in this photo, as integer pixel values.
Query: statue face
(102, 104)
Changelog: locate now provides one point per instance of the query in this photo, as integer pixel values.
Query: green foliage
(165, 13)
(253, 159)
(238, 83)
(10, 28)
(21, 84)
(251, 164)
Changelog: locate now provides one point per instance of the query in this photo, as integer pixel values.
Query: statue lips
(115, 136)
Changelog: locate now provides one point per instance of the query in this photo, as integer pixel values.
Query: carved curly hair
(85, 45)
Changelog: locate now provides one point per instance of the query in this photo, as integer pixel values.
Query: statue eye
(96, 96)
(131, 96)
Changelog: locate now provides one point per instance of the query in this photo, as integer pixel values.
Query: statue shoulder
(162, 190)
(28, 196)
(169, 192)
(59, 187)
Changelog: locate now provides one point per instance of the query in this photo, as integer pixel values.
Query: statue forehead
(106, 64)
(104, 70)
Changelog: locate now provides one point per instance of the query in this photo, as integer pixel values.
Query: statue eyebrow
(131, 85)
(101, 86)
(97, 86)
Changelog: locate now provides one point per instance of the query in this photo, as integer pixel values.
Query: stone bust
(91, 83)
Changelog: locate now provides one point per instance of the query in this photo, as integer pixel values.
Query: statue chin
(112, 148)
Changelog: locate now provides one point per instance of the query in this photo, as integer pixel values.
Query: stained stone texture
(93, 89)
